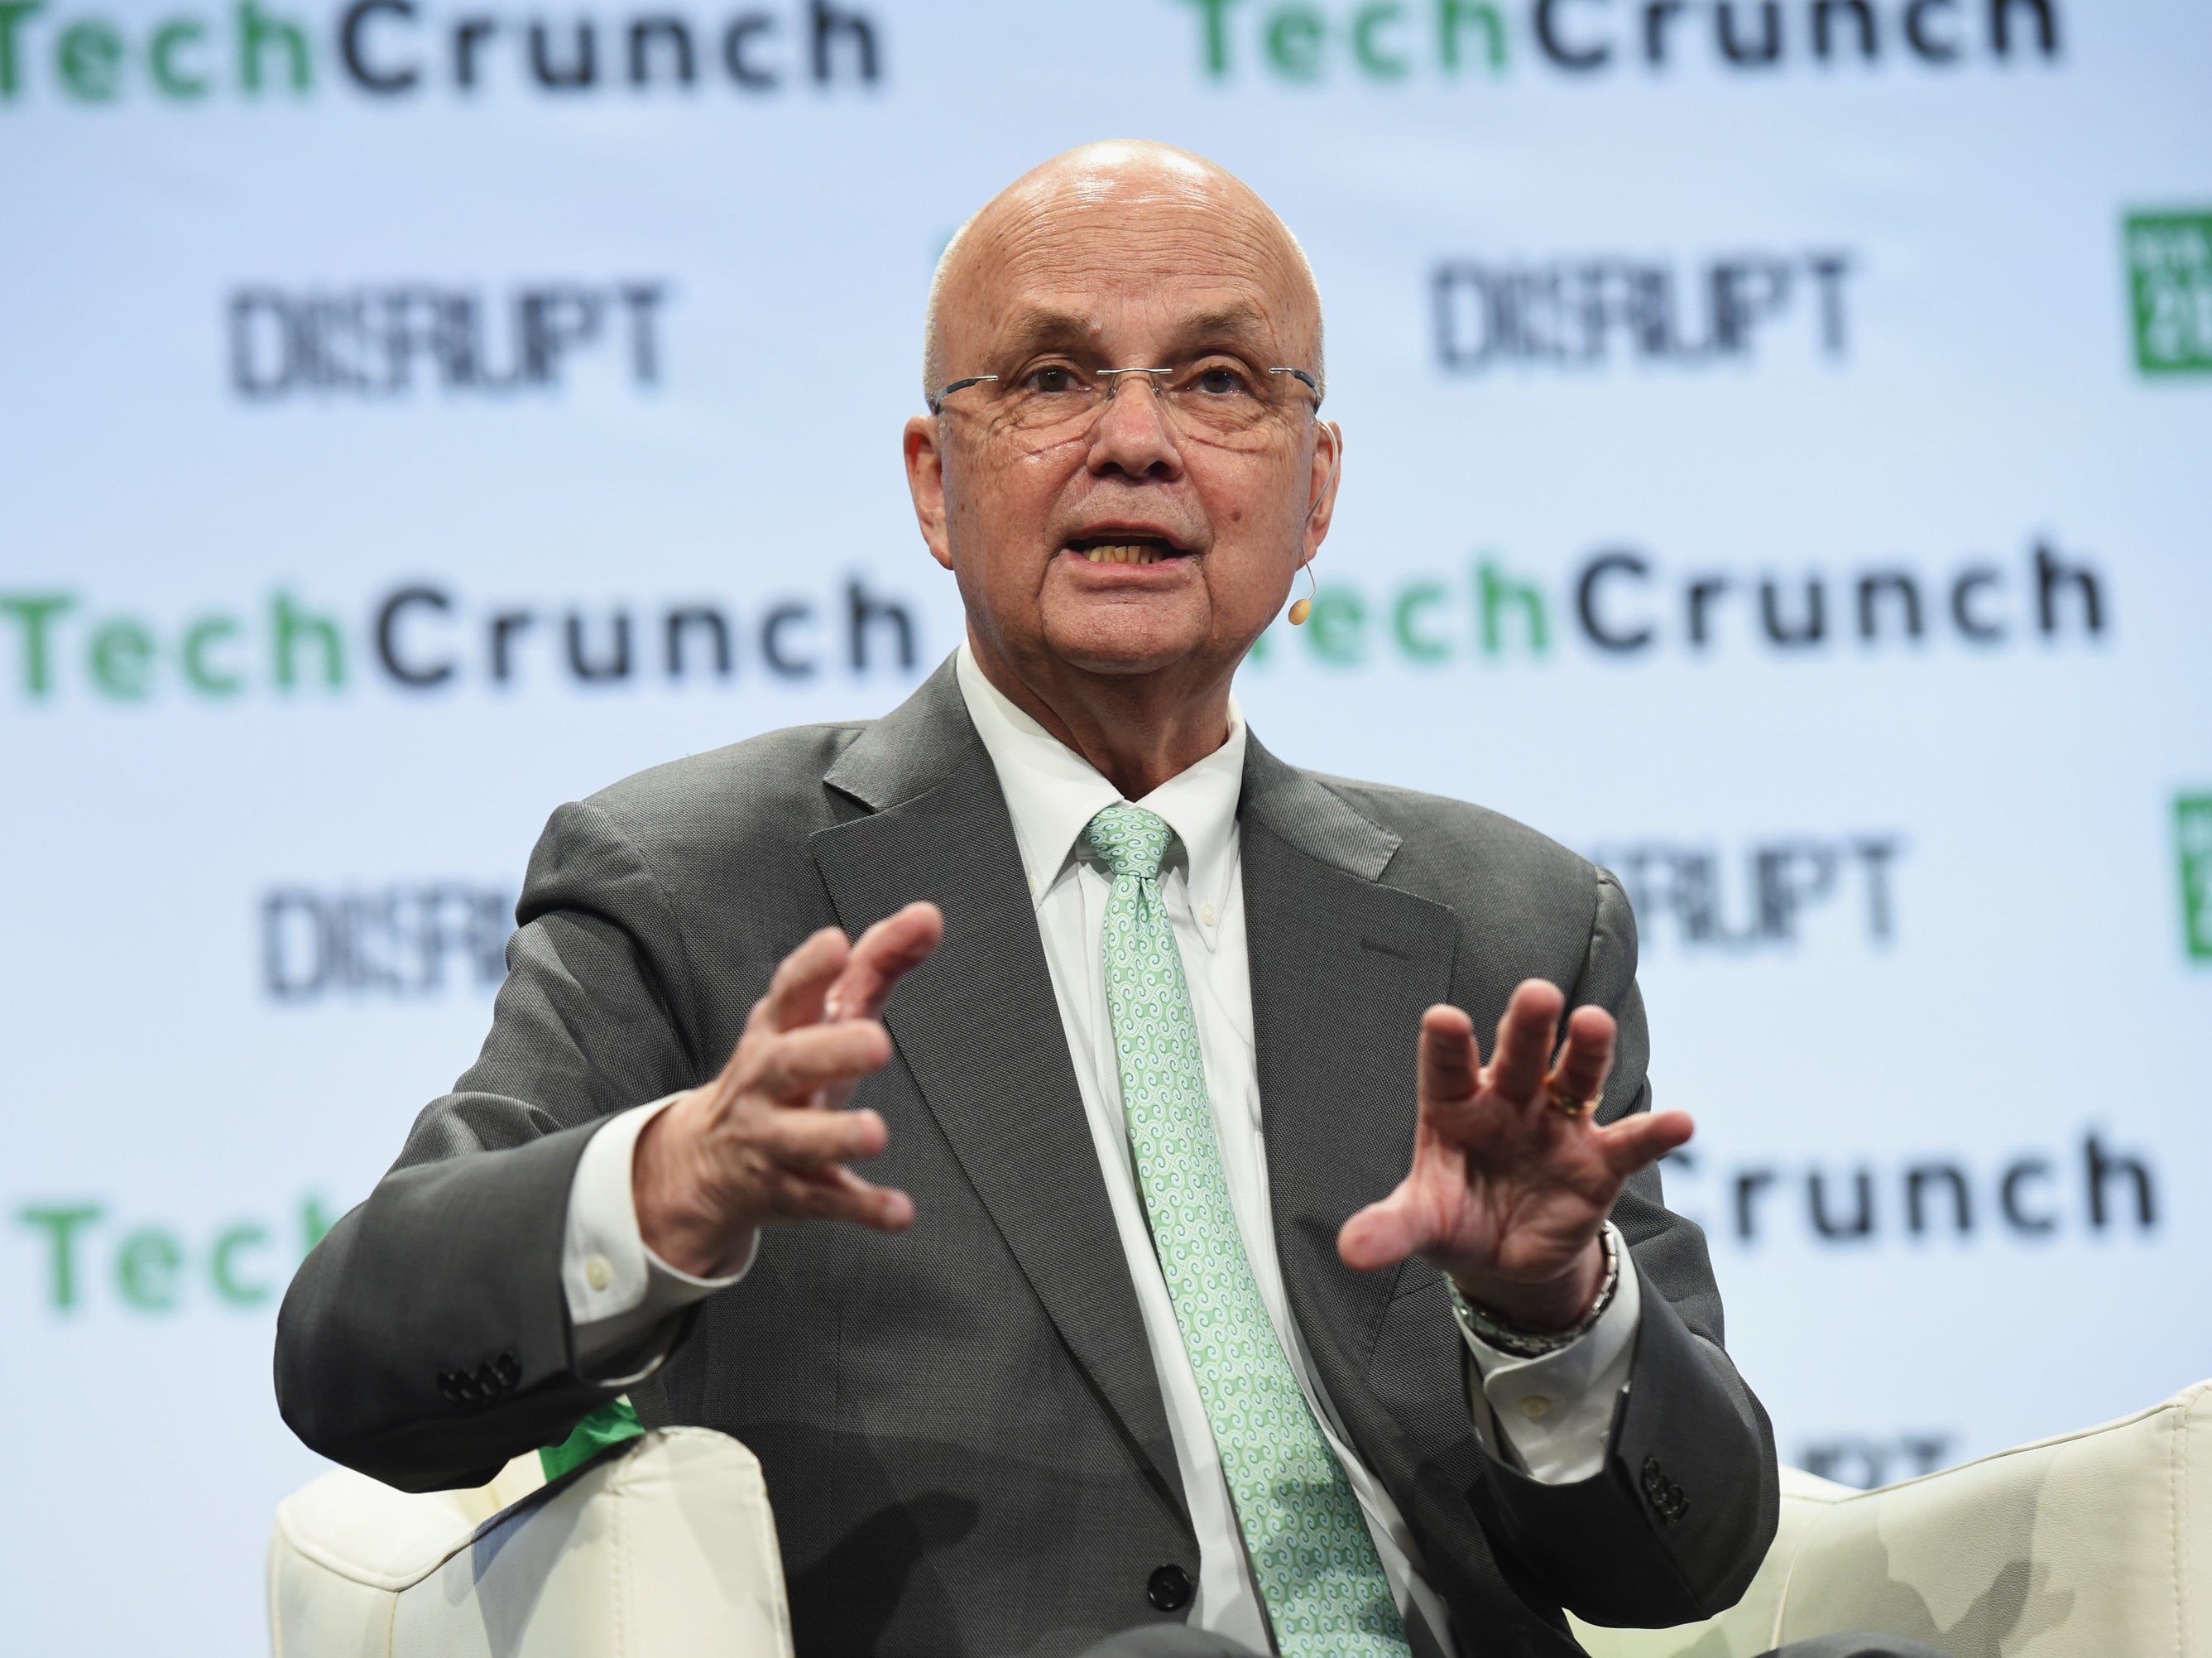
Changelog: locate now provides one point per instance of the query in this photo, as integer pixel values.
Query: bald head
(1107, 213)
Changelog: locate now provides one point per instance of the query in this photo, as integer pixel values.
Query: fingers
(827, 978)
(887, 952)
(1450, 1066)
(789, 1164)
(806, 1140)
(1587, 1056)
(1637, 1142)
(833, 1193)
(1382, 1234)
(797, 1065)
(1525, 1039)
(802, 981)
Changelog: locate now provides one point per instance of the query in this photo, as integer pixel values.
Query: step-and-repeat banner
(1780, 465)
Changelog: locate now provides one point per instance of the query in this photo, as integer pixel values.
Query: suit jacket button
(1167, 1589)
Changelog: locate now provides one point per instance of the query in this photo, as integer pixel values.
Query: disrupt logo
(1393, 40)
(423, 638)
(1759, 897)
(2192, 826)
(2170, 283)
(2092, 1190)
(1579, 313)
(1623, 604)
(397, 48)
(160, 1267)
(1856, 1459)
(407, 941)
(371, 342)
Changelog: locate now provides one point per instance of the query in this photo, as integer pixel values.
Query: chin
(1125, 644)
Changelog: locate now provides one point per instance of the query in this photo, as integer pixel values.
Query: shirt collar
(1053, 792)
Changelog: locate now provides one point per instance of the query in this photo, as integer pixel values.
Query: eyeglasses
(1213, 399)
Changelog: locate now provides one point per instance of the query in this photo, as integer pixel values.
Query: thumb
(1384, 1233)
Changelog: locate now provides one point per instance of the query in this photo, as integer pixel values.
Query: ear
(1324, 472)
(925, 482)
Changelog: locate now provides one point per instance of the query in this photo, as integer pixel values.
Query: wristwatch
(1491, 1331)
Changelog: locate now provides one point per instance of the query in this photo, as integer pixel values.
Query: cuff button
(598, 1273)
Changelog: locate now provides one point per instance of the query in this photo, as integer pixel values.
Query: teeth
(1135, 553)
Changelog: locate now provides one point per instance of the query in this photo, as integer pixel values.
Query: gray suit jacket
(962, 1433)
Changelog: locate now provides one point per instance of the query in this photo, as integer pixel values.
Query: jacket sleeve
(426, 1340)
(1674, 1523)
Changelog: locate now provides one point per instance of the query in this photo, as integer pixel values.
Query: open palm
(1508, 1189)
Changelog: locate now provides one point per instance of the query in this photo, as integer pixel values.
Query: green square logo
(2170, 283)
(2192, 826)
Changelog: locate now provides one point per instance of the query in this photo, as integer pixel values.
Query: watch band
(1491, 1331)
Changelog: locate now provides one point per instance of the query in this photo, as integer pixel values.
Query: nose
(1134, 435)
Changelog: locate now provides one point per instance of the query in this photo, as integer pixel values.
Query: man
(1207, 1275)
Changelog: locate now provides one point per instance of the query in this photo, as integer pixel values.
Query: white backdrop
(333, 396)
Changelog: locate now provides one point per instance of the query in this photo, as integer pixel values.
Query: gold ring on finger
(1567, 1107)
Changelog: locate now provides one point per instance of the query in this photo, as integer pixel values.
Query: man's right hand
(766, 1140)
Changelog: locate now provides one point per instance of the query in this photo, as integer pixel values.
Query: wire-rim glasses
(1214, 398)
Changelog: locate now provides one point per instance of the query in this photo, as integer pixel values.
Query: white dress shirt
(1553, 1412)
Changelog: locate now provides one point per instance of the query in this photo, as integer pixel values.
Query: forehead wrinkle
(1236, 323)
(1115, 247)
(1056, 280)
(1034, 327)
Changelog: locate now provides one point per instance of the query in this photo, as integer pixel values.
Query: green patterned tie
(1309, 1545)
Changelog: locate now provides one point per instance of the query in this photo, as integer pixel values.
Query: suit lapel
(979, 1029)
(1342, 969)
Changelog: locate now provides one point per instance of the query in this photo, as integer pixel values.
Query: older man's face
(1144, 541)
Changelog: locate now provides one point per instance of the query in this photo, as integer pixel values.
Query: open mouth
(1125, 547)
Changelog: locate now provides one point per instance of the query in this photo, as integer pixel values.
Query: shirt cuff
(1556, 1411)
(619, 1293)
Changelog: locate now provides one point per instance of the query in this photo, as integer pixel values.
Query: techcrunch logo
(1624, 605)
(396, 49)
(2192, 831)
(424, 638)
(88, 1257)
(2092, 1190)
(2170, 285)
(1303, 42)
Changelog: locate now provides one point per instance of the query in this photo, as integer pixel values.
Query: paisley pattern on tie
(1311, 1551)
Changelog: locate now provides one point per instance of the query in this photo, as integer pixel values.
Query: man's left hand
(1509, 1191)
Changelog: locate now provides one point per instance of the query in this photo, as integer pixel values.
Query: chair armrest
(2094, 1545)
(665, 1547)
(2089, 1546)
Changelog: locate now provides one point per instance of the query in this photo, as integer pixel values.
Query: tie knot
(1130, 840)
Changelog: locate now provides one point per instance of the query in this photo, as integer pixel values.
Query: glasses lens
(1049, 398)
(1214, 401)
(1223, 401)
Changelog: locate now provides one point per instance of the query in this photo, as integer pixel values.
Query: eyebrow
(1050, 328)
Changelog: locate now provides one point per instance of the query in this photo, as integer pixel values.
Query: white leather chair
(2096, 1545)
(664, 1549)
